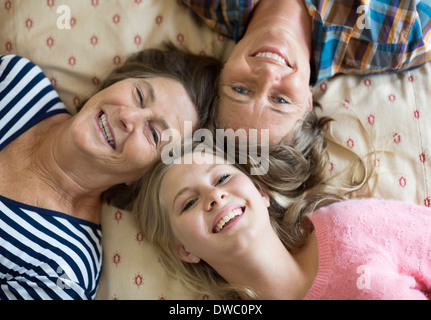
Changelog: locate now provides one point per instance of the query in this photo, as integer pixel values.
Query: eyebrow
(183, 190)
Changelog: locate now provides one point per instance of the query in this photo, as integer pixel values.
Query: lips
(106, 130)
(272, 54)
(227, 216)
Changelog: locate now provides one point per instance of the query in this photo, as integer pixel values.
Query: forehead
(193, 164)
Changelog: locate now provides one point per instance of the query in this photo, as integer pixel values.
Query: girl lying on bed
(283, 235)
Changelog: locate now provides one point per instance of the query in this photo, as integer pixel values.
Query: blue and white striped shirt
(44, 254)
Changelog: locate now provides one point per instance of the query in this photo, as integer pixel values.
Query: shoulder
(26, 97)
(373, 216)
(13, 64)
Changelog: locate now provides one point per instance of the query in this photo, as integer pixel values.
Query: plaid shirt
(349, 36)
(228, 17)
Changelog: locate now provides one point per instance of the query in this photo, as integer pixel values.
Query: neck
(290, 15)
(286, 277)
(65, 178)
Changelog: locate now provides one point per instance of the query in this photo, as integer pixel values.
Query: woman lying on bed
(54, 167)
(217, 229)
(284, 47)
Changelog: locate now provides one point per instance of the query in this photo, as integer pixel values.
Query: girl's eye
(188, 204)
(223, 179)
(240, 90)
(155, 136)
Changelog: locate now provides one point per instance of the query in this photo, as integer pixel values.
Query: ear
(310, 100)
(265, 197)
(187, 256)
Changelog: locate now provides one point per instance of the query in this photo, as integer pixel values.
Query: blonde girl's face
(215, 210)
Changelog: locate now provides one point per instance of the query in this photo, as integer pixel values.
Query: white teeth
(227, 218)
(105, 129)
(272, 56)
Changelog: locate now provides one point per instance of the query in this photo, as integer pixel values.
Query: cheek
(115, 94)
(189, 231)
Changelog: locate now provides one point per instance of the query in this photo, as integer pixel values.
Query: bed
(382, 119)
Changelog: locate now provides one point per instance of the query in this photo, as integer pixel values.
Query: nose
(215, 198)
(266, 72)
(133, 118)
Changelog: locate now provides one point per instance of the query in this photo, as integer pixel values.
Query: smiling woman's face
(120, 128)
(265, 84)
(215, 210)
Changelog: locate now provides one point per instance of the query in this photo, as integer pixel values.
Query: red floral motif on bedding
(118, 215)
(96, 81)
(29, 23)
(346, 104)
(138, 280)
(116, 60)
(396, 137)
(50, 42)
(53, 82)
(137, 40)
(323, 86)
(8, 46)
(94, 40)
(8, 5)
(402, 181)
(71, 61)
(72, 22)
(116, 259)
(116, 19)
(159, 19)
(139, 237)
(367, 83)
(180, 38)
(76, 101)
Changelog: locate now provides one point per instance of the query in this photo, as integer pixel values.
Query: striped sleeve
(26, 97)
(47, 255)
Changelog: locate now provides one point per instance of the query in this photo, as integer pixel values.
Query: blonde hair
(296, 183)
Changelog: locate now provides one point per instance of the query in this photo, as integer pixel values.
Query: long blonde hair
(296, 182)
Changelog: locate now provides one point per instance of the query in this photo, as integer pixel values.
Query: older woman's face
(265, 84)
(121, 126)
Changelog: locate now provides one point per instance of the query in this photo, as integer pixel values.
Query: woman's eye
(223, 179)
(280, 100)
(189, 204)
(240, 90)
(140, 95)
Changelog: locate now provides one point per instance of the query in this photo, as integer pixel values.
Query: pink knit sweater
(372, 249)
